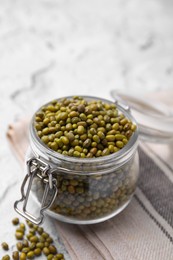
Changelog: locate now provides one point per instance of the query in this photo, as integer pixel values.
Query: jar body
(88, 194)
(81, 190)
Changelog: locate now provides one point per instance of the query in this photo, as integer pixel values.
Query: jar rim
(130, 146)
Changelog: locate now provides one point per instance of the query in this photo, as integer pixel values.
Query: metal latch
(37, 168)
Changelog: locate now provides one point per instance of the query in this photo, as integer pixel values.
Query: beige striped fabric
(144, 230)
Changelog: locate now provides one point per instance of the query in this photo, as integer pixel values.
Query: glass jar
(76, 190)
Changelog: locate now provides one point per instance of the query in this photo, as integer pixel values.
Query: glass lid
(155, 119)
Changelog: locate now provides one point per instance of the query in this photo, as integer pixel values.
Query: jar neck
(115, 160)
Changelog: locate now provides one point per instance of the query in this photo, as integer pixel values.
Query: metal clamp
(37, 168)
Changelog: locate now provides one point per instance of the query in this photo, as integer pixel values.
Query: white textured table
(54, 48)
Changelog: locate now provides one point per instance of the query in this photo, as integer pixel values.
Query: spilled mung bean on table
(34, 242)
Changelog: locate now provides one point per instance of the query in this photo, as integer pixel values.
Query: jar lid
(155, 119)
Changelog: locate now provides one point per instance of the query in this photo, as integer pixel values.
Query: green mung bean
(40, 230)
(119, 144)
(59, 256)
(45, 235)
(32, 246)
(52, 249)
(40, 245)
(5, 246)
(19, 246)
(25, 243)
(29, 236)
(6, 257)
(22, 256)
(15, 221)
(46, 251)
(25, 250)
(34, 239)
(30, 255)
(15, 255)
(46, 244)
(19, 235)
(37, 251)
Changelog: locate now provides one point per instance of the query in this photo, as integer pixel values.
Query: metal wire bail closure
(37, 168)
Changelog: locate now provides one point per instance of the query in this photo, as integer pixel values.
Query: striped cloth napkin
(144, 230)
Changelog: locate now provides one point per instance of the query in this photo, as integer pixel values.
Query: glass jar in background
(80, 190)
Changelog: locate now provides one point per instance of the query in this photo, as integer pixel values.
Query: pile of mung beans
(85, 129)
(33, 242)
